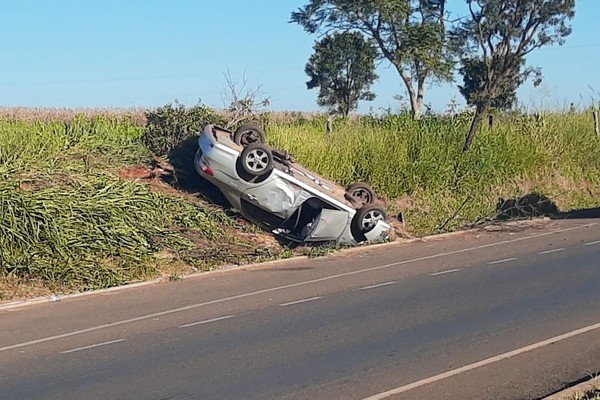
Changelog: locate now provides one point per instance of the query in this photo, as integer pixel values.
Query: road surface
(508, 313)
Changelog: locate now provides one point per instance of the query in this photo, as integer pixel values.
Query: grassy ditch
(69, 223)
(73, 217)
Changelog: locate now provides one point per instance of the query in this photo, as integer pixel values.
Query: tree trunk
(416, 99)
(479, 115)
(418, 109)
(416, 105)
(329, 125)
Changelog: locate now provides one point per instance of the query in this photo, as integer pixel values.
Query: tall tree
(410, 34)
(343, 68)
(496, 38)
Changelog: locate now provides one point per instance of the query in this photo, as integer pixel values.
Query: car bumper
(379, 232)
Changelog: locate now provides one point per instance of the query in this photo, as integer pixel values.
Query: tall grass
(553, 155)
(50, 147)
(66, 217)
(95, 234)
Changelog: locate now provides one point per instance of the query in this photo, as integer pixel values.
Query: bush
(168, 126)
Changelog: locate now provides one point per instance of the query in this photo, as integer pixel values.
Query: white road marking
(207, 321)
(502, 261)
(551, 251)
(283, 287)
(92, 346)
(592, 243)
(291, 303)
(377, 285)
(482, 363)
(446, 272)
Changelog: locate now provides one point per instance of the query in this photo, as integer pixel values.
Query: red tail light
(207, 170)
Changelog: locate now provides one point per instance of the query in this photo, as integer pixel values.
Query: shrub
(170, 125)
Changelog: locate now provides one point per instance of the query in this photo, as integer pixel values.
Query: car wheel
(366, 219)
(257, 159)
(361, 193)
(247, 134)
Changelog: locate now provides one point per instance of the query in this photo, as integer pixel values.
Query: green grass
(556, 156)
(68, 221)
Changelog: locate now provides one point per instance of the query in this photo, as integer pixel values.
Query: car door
(327, 226)
(276, 196)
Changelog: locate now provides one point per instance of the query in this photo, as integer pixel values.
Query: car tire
(256, 159)
(365, 220)
(361, 193)
(247, 134)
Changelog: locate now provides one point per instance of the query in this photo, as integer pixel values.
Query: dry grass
(46, 114)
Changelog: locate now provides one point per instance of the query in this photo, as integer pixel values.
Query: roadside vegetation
(79, 210)
(541, 162)
(94, 201)
(588, 396)
(593, 394)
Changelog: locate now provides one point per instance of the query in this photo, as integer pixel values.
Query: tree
(496, 38)
(410, 34)
(343, 68)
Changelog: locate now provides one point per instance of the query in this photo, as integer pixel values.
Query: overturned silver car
(270, 189)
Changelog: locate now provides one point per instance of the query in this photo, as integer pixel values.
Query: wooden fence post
(596, 127)
(330, 119)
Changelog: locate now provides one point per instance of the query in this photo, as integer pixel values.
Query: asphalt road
(507, 314)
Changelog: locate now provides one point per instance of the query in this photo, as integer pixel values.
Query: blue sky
(147, 53)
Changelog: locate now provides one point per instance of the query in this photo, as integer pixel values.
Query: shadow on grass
(185, 177)
(537, 205)
(529, 206)
(579, 214)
